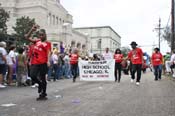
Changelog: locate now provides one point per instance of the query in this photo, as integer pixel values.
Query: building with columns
(101, 38)
(48, 14)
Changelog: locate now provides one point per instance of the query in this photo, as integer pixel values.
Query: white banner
(97, 70)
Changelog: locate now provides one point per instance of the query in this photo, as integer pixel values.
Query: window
(57, 20)
(110, 43)
(53, 19)
(50, 19)
(60, 20)
(99, 44)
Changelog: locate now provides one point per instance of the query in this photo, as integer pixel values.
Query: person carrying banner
(118, 56)
(107, 55)
(40, 60)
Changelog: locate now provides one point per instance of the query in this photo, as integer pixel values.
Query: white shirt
(107, 56)
(4, 53)
(55, 59)
(66, 59)
(172, 58)
(10, 56)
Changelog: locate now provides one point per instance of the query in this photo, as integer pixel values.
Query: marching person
(118, 56)
(136, 57)
(40, 60)
(157, 60)
(107, 55)
(74, 63)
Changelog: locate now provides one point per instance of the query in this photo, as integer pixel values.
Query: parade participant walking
(136, 57)
(40, 60)
(118, 56)
(74, 63)
(157, 60)
(107, 55)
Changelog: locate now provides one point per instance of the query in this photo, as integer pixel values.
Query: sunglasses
(41, 34)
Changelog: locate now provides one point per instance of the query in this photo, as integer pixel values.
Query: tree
(23, 25)
(4, 16)
(167, 35)
(125, 50)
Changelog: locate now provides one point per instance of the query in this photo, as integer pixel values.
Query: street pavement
(151, 98)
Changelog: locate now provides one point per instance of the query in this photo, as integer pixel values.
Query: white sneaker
(35, 85)
(2, 86)
(173, 75)
(5, 84)
(132, 80)
(137, 83)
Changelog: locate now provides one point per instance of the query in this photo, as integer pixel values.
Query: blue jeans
(158, 71)
(60, 71)
(67, 70)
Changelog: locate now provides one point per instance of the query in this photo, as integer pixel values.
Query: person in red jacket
(40, 60)
(74, 63)
(157, 60)
(136, 57)
(118, 56)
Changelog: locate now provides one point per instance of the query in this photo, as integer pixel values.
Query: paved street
(93, 99)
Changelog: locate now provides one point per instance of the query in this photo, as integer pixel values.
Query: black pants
(74, 68)
(136, 68)
(38, 75)
(118, 68)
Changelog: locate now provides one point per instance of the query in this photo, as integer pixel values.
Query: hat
(2, 44)
(133, 43)
(157, 49)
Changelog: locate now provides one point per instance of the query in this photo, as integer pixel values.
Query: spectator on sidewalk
(3, 54)
(21, 68)
(173, 62)
(11, 62)
(167, 62)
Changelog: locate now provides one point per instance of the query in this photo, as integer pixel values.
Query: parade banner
(97, 70)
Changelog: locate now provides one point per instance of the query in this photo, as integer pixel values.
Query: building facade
(48, 14)
(101, 38)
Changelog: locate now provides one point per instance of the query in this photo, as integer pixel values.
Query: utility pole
(159, 31)
(172, 25)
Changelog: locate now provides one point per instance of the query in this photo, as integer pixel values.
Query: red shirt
(40, 52)
(118, 58)
(157, 59)
(136, 56)
(74, 59)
